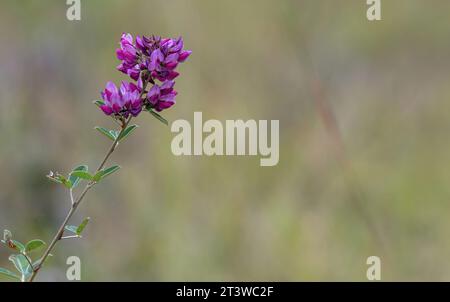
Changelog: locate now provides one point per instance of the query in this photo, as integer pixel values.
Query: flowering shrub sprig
(148, 61)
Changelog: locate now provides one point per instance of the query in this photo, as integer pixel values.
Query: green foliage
(58, 178)
(7, 273)
(127, 132)
(75, 180)
(22, 265)
(82, 226)
(18, 246)
(77, 174)
(34, 244)
(71, 228)
(21, 261)
(82, 174)
(158, 117)
(111, 134)
(99, 102)
(114, 135)
(105, 172)
(78, 230)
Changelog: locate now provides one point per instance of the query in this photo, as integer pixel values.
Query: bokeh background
(364, 114)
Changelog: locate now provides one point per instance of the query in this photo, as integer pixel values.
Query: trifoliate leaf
(75, 180)
(108, 133)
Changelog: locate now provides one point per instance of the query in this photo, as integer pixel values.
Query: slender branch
(75, 203)
(72, 200)
(111, 150)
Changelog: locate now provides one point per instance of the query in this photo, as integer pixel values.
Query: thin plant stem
(72, 200)
(75, 203)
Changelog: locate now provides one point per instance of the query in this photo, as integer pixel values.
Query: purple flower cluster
(122, 101)
(146, 60)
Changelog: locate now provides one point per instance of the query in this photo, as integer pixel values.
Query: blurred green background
(307, 63)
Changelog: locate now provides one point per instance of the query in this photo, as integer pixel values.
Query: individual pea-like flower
(122, 101)
(129, 56)
(165, 58)
(162, 96)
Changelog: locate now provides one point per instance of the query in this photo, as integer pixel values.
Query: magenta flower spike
(149, 60)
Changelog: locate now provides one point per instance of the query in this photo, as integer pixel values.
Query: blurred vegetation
(167, 218)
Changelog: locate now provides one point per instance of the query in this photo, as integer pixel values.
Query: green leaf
(97, 177)
(110, 171)
(159, 117)
(82, 226)
(114, 133)
(128, 131)
(9, 274)
(108, 133)
(34, 244)
(82, 174)
(67, 183)
(22, 265)
(104, 173)
(58, 178)
(74, 180)
(71, 228)
(18, 246)
(99, 102)
(77, 230)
